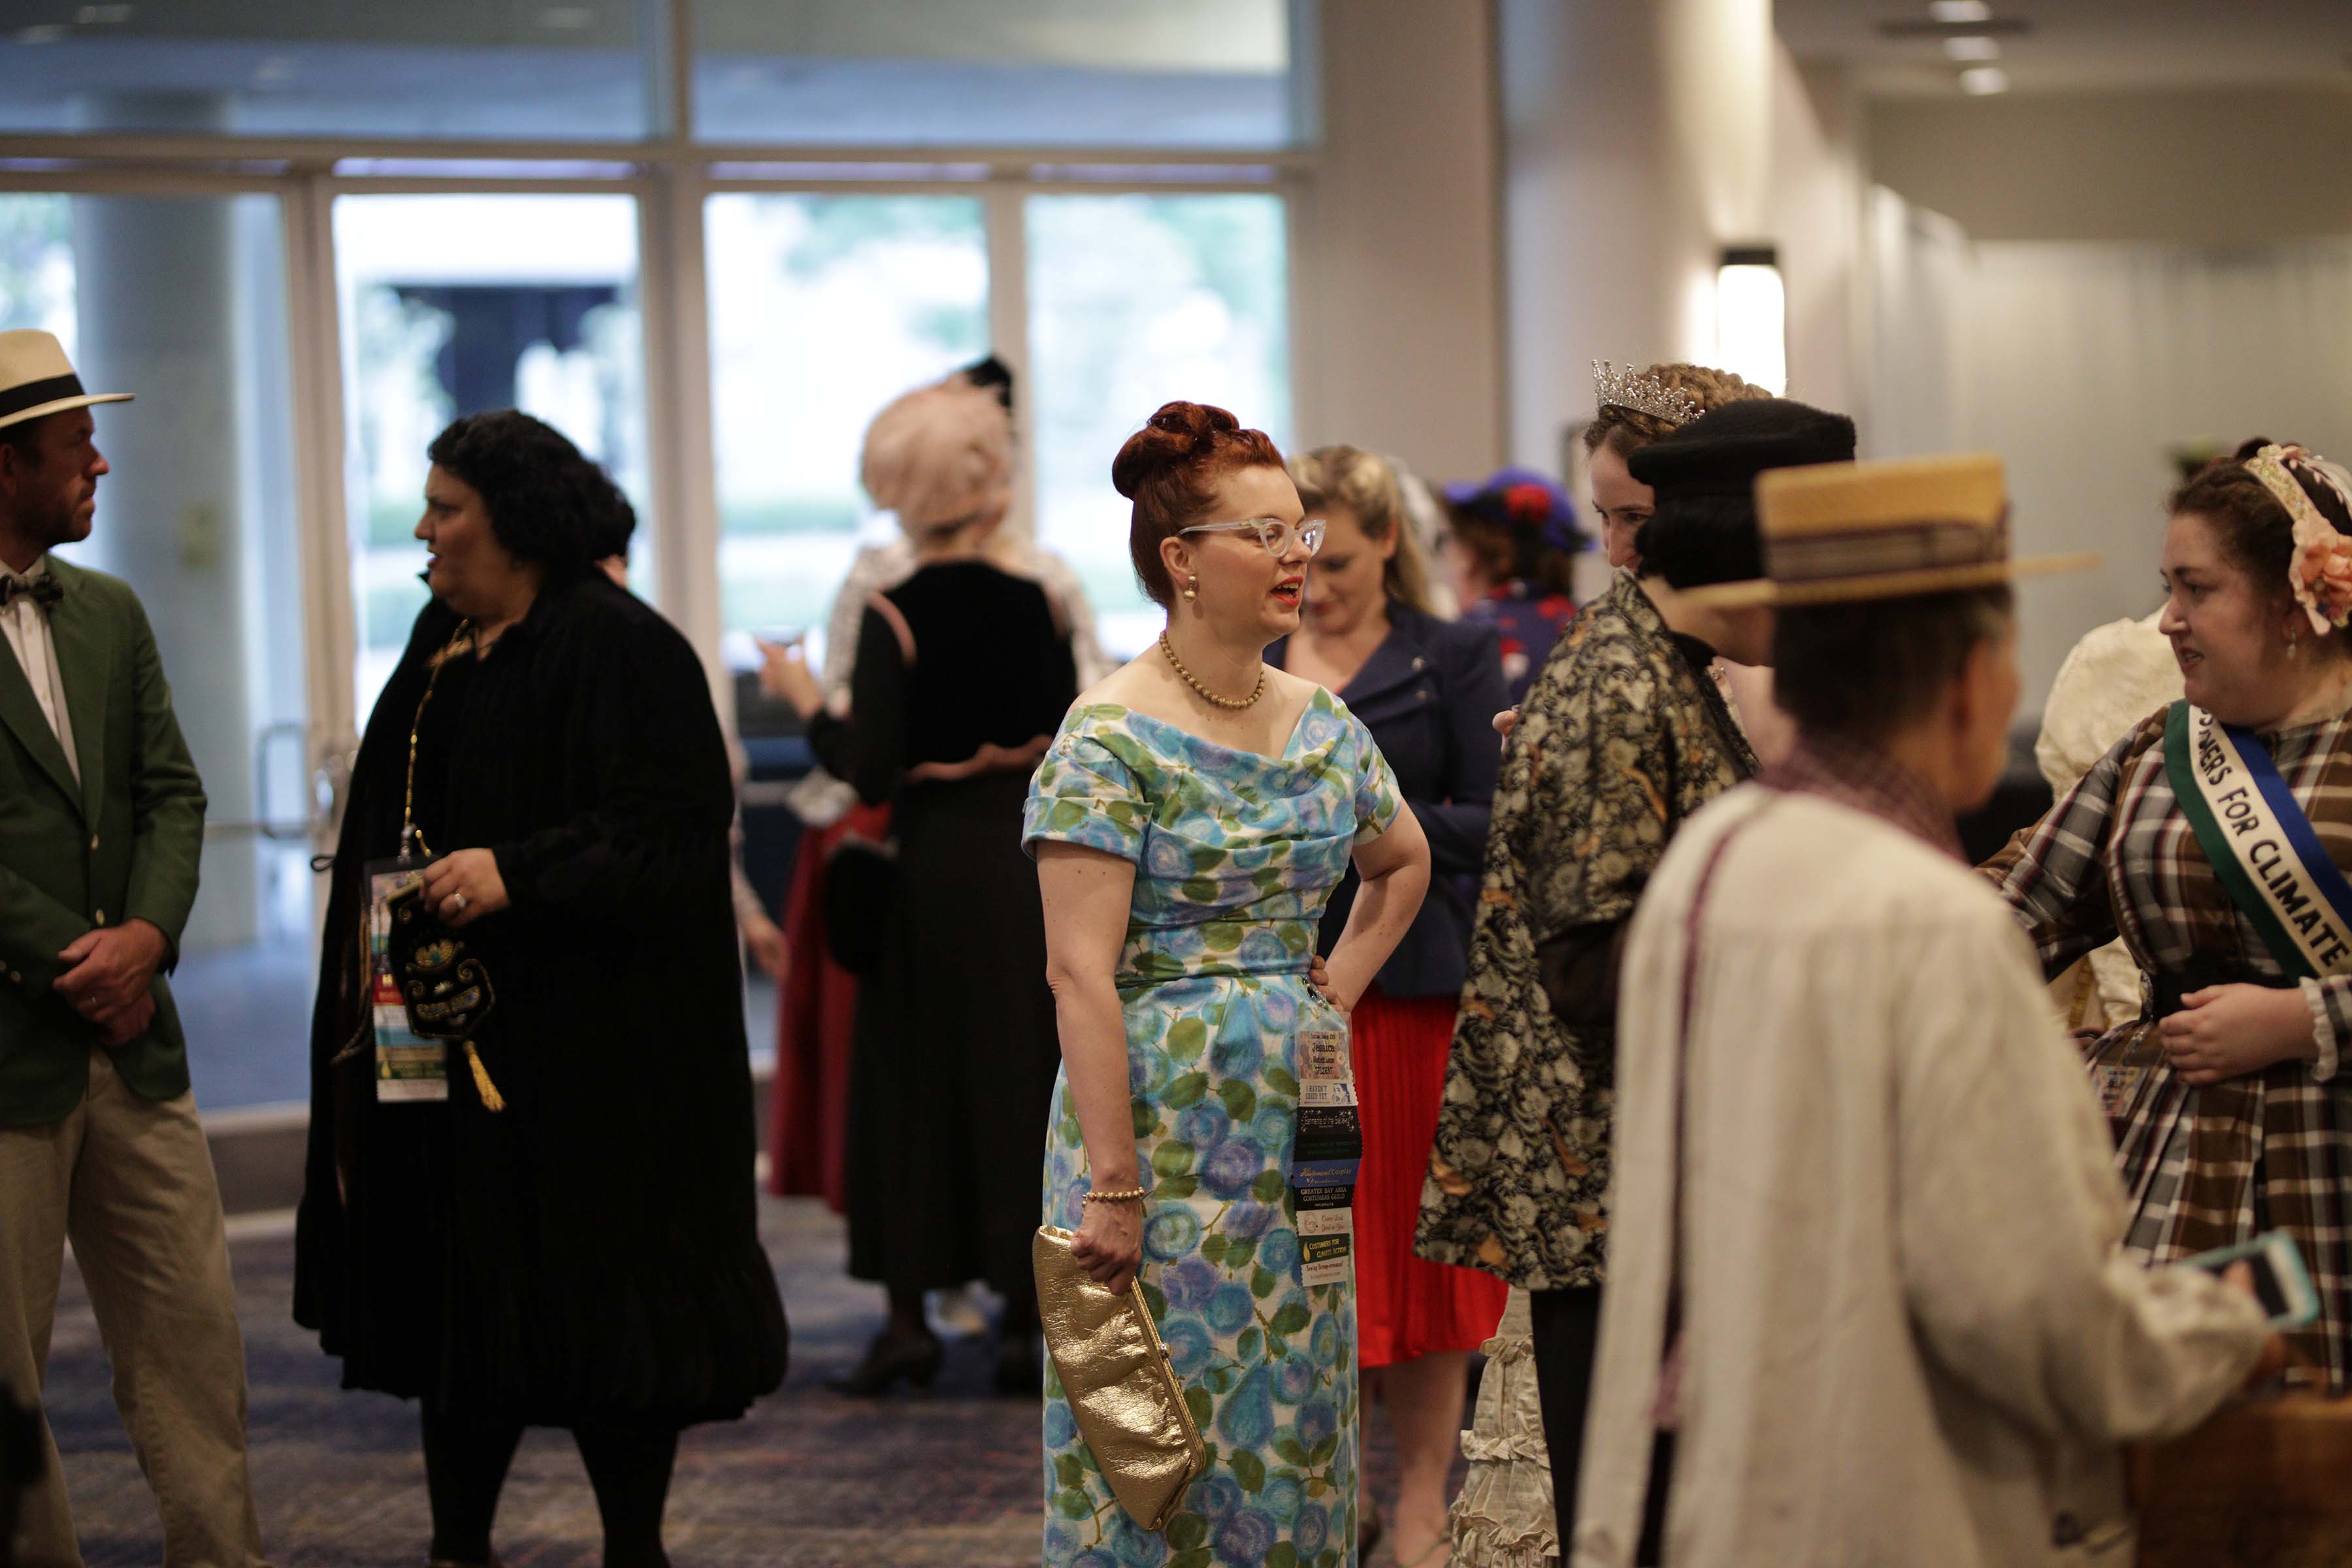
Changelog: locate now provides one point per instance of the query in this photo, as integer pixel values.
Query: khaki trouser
(130, 1181)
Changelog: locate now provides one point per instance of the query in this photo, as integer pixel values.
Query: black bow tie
(44, 589)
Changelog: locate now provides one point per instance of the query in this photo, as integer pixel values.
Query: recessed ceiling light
(1978, 81)
(1959, 10)
(1971, 48)
(567, 18)
(47, 33)
(102, 16)
(1974, 22)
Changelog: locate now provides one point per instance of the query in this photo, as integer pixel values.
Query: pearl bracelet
(1133, 1196)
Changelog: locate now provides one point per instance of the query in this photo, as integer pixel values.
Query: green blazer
(122, 843)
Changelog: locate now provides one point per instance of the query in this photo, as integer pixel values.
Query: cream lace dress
(1503, 1518)
(2116, 676)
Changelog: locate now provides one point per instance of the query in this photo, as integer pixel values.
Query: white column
(154, 303)
(1820, 199)
(1637, 143)
(1400, 310)
(156, 307)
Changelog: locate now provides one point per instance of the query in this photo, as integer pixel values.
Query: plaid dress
(2204, 1167)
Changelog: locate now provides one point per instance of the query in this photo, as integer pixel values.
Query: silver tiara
(1614, 388)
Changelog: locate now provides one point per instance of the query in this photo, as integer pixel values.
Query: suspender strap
(1693, 921)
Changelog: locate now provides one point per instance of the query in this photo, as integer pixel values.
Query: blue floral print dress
(1235, 853)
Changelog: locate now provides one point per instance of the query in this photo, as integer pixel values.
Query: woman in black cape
(570, 1238)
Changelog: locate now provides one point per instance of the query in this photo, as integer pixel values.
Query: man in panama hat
(1865, 1266)
(101, 822)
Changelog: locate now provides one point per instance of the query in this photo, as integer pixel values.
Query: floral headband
(2320, 571)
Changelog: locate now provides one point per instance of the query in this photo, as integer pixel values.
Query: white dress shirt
(26, 623)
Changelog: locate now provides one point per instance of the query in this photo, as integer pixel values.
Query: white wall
(2079, 283)
(1818, 193)
(1915, 263)
(1636, 144)
(1400, 275)
(2082, 363)
(2222, 166)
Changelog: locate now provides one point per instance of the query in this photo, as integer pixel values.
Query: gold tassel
(491, 1099)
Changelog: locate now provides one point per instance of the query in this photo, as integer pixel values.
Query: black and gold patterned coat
(1623, 737)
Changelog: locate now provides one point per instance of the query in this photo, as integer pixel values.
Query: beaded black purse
(446, 990)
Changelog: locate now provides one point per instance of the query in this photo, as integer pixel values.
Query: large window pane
(1135, 300)
(1172, 73)
(823, 309)
(575, 71)
(459, 304)
(182, 302)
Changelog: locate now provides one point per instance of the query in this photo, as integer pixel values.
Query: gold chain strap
(461, 641)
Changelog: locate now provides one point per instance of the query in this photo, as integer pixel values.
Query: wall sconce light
(1751, 317)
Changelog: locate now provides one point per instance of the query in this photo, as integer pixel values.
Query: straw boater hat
(1837, 532)
(36, 379)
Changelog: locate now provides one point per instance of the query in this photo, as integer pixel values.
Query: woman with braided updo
(2230, 1113)
(1631, 412)
(1621, 428)
(1192, 817)
(1512, 544)
(1624, 738)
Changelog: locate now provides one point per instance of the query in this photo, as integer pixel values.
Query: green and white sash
(2261, 843)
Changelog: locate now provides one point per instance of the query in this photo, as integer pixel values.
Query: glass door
(823, 309)
(1134, 300)
(182, 299)
(457, 304)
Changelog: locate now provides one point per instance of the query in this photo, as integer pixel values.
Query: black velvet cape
(590, 1252)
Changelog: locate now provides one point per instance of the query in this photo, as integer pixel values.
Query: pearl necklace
(1207, 695)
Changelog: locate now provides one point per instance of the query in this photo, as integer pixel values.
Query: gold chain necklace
(1207, 695)
(461, 642)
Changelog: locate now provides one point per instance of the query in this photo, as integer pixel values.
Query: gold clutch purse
(1115, 1374)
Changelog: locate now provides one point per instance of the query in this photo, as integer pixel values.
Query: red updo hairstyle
(1170, 469)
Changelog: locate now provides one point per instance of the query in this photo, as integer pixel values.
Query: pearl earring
(1191, 589)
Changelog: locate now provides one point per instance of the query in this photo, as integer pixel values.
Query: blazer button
(99, 917)
(93, 841)
(1418, 661)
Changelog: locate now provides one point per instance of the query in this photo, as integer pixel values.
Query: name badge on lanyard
(1325, 1156)
(408, 1067)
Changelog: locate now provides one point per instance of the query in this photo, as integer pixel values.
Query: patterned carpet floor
(809, 1480)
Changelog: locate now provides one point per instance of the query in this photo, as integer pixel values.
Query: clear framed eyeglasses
(1275, 533)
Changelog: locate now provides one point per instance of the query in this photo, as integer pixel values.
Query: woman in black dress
(963, 674)
(564, 1234)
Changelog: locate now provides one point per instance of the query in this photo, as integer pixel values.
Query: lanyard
(461, 642)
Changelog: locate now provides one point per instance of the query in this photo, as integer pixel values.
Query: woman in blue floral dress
(1189, 822)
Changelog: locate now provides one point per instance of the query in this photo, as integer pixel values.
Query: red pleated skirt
(808, 1107)
(1405, 1306)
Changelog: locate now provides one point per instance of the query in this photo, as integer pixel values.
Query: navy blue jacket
(1429, 695)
